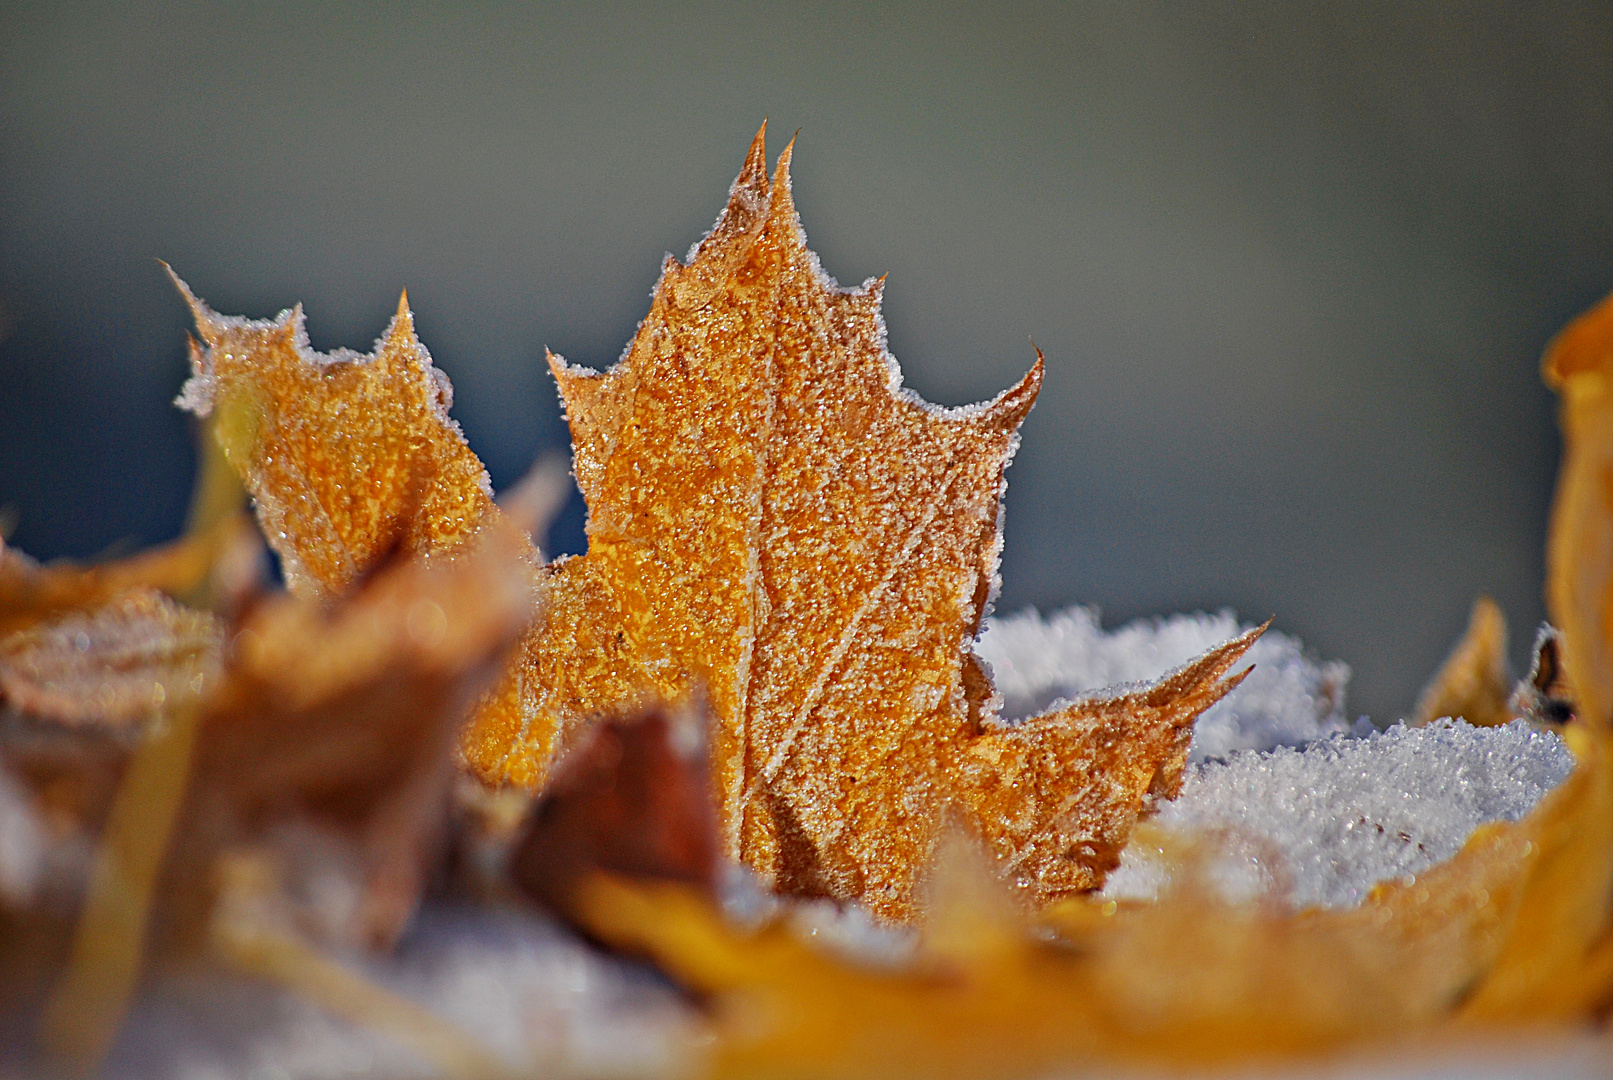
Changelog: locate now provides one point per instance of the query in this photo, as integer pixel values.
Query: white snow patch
(516, 984)
(1321, 826)
(1288, 699)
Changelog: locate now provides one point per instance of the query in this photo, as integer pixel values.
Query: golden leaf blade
(1472, 683)
(775, 523)
(346, 456)
(1514, 929)
(1578, 364)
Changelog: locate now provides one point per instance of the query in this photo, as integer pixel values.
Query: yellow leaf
(347, 457)
(774, 523)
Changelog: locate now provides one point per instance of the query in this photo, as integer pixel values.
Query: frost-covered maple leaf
(774, 523)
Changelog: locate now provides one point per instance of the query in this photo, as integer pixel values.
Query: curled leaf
(1545, 696)
(332, 735)
(1578, 364)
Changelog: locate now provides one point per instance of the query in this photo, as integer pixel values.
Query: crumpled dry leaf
(635, 800)
(1472, 684)
(324, 755)
(773, 522)
(1189, 981)
(1556, 963)
(340, 723)
(1544, 695)
(118, 665)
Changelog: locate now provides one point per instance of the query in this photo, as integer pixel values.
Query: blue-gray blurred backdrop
(1292, 265)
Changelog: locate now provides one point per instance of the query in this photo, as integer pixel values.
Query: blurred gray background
(1292, 265)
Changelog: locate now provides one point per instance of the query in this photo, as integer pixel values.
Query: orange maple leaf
(774, 523)
(347, 457)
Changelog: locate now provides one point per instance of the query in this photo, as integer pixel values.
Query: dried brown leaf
(1544, 696)
(634, 800)
(117, 666)
(336, 725)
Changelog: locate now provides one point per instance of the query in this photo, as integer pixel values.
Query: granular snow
(1288, 699)
(1322, 825)
(515, 983)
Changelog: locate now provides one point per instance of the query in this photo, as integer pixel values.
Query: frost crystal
(1288, 700)
(1322, 825)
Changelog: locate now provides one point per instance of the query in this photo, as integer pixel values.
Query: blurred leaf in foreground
(325, 755)
(118, 665)
(1188, 981)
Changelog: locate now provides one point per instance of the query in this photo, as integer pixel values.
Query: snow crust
(517, 986)
(1289, 800)
(1320, 826)
(1287, 700)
